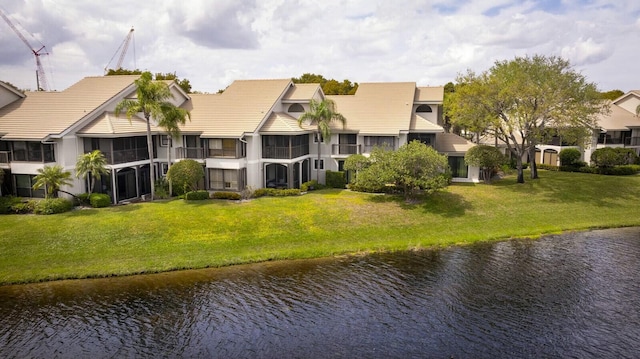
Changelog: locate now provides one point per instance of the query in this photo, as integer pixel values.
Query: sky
(214, 42)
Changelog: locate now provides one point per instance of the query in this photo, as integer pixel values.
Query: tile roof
(419, 123)
(43, 114)
(110, 124)
(618, 119)
(240, 109)
(301, 92)
(429, 94)
(452, 143)
(283, 122)
(377, 108)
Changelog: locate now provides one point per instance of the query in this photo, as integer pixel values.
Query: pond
(575, 295)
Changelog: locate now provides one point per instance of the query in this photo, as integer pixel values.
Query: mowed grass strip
(172, 235)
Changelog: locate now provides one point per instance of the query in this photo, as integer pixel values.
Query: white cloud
(428, 41)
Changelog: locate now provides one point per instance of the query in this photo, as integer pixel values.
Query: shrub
(235, 196)
(336, 179)
(610, 157)
(162, 189)
(7, 203)
(246, 193)
(53, 206)
(196, 195)
(83, 199)
(618, 170)
(23, 207)
(543, 166)
(310, 186)
(272, 192)
(99, 200)
(184, 176)
(569, 156)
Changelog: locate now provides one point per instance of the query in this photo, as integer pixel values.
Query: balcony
(190, 152)
(345, 149)
(285, 152)
(634, 141)
(5, 157)
(124, 156)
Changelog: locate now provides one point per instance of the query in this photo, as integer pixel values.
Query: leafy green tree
(611, 95)
(52, 178)
(413, 168)
(356, 163)
(93, 163)
(152, 101)
(322, 114)
(185, 175)
(329, 87)
(515, 101)
(487, 158)
(185, 84)
(170, 122)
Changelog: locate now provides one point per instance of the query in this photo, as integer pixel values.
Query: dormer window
(296, 107)
(424, 108)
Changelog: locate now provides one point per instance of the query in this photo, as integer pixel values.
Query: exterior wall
(629, 103)
(7, 97)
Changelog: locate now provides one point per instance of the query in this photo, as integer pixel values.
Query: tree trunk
(520, 170)
(150, 148)
(318, 164)
(169, 143)
(532, 161)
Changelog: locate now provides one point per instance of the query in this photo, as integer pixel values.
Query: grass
(171, 235)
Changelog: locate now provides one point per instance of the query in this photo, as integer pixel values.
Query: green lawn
(170, 235)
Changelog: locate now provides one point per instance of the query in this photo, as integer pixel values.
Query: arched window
(424, 108)
(296, 107)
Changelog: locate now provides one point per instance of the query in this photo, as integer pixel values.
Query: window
(424, 108)
(317, 137)
(164, 140)
(380, 141)
(222, 147)
(33, 151)
(296, 107)
(318, 164)
(24, 187)
(223, 179)
(428, 139)
(459, 169)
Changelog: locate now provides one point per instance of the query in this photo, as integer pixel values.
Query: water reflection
(574, 295)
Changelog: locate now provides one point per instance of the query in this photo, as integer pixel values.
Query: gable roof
(618, 119)
(42, 114)
(452, 143)
(429, 94)
(301, 93)
(110, 124)
(377, 108)
(240, 109)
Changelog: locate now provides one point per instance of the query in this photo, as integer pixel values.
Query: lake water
(575, 295)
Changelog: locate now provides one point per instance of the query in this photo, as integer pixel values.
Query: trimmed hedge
(99, 200)
(273, 192)
(196, 195)
(227, 195)
(53, 206)
(336, 179)
(310, 186)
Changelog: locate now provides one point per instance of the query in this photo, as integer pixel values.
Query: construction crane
(124, 46)
(41, 79)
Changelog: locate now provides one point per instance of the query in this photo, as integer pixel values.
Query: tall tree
(185, 84)
(52, 178)
(93, 163)
(322, 114)
(170, 122)
(517, 100)
(151, 101)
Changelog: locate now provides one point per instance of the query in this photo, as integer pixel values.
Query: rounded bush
(99, 200)
(569, 156)
(196, 195)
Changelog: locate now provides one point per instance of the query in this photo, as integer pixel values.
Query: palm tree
(52, 178)
(151, 101)
(170, 122)
(93, 162)
(322, 114)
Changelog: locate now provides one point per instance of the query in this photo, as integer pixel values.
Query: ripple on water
(573, 295)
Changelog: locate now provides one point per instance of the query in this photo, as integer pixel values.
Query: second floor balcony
(195, 153)
(5, 157)
(346, 149)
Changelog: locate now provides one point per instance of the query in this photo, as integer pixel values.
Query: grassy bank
(161, 236)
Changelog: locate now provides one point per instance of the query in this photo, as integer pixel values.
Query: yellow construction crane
(41, 79)
(124, 46)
